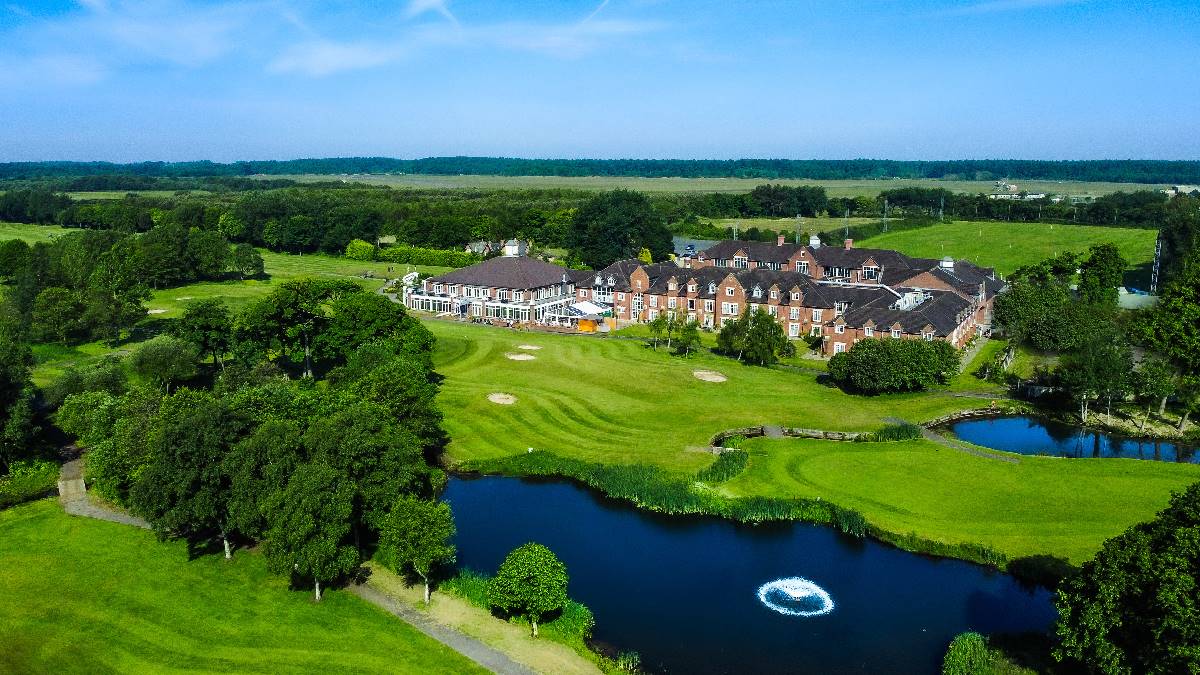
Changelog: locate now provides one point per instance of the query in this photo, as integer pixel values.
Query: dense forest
(1119, 171)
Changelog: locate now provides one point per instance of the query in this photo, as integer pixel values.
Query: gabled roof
(764, 251)
(507, 272)
(941, 311)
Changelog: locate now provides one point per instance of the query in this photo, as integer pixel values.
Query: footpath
(73, 496)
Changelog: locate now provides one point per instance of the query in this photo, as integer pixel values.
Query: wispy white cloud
(58, 70)
(418, 7)
(996, 6)
(562, 40)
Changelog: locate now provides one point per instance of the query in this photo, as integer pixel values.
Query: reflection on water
(687, 593)
(1033, 436)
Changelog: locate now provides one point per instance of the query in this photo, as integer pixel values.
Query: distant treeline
(1117, 171)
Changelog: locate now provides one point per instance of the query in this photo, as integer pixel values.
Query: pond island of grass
(615, 403)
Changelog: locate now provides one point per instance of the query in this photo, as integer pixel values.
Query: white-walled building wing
(513, 288)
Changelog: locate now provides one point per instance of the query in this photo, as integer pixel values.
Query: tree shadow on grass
(1044, 571)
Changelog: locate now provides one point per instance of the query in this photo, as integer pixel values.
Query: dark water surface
(682, 591)
(1034, 436)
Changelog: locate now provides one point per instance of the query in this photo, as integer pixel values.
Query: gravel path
(469, 647)
(72, 494)
(956, 445)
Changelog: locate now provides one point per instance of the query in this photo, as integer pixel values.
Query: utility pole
(735, 230)
(1157, 257)
(941, 208)
(846, 224)
(799, 226)
(885, 214)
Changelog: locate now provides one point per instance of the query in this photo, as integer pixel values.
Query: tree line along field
(835, 188)
(89, 596)
(615, 401)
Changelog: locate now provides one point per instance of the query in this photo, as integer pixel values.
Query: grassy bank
(1038, 506)
(461, 604)
(86, 596)
(1007, 246)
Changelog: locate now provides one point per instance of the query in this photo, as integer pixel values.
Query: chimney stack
(849, 244)
(780, 240)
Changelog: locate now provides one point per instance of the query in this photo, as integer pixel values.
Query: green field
(88, 596)
(807, 226)
(835, 188)
(617, 401)
(1041, 505)
(1007, 246)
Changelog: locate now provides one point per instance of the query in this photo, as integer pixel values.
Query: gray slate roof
(519, 272)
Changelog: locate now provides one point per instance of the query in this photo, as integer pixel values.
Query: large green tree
(531, 582)
(164, 360)
(1135, 607)
(16, 360)
(1100, 368)
(292, 318)
(882, 365)
(1100, 275)
(418, 534)
(308, 525)
(185, 490)
(765, 340)
(207, 325)
(617, 225)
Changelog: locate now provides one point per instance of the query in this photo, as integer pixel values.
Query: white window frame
(794, 313)
(895, 333)
(729, 291)
(839, 347)
(839, 329)
(868, 331)
(671, 302)
(816, 314)
(708, 306)
(653, 301)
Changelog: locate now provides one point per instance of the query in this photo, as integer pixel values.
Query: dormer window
(599, 280)
(757, 292)
(611, 281)
(774, 295)
(691, 288)
(672, 286)
(895, 332)
(802, 267)
(869, 331)
(928, 337)
(839, 328)
(712, 288)
(870, 272)
(740, 261)
(839, 308)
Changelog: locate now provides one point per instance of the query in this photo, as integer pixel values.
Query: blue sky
(172, 80)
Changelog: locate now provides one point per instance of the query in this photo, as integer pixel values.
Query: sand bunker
(184, 297)
(528, 347)
(156, 311)
(519, 357)
(502, 399)
(709, 375)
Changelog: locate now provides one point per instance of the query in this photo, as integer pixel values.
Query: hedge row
(410, 255)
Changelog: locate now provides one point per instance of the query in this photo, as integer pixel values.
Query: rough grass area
(1007, 246)
(617, 401)
(89, 596)
(1039, 506)
(461, 603)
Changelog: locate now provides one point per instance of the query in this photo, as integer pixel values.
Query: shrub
(728, 465)
(967, 655)
(427, 256)
(879, 365)
(893, 432)
(358, 249)
(27, 481)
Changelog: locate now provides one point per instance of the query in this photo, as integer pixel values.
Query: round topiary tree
(532, 582)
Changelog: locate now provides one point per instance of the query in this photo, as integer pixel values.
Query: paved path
(956, 445)
(72, 494)
(473, 649)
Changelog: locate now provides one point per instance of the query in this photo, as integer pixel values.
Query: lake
(682, 591)
(1034, 436)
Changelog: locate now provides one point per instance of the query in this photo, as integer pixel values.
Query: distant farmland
(835, 188)
(1007, 246)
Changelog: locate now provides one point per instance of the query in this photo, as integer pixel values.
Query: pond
(683, 592)
(1034, 436)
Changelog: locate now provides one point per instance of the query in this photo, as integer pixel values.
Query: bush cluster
(967, 655)
(892, 432)
(28, 480)
(884, 365)
(412, 255)
(728, 465)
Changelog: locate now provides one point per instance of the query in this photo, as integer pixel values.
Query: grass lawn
(30, 233)
(89, 596)
(1007, 246)
(617, 401)
(1042, 505)
(788, 225)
